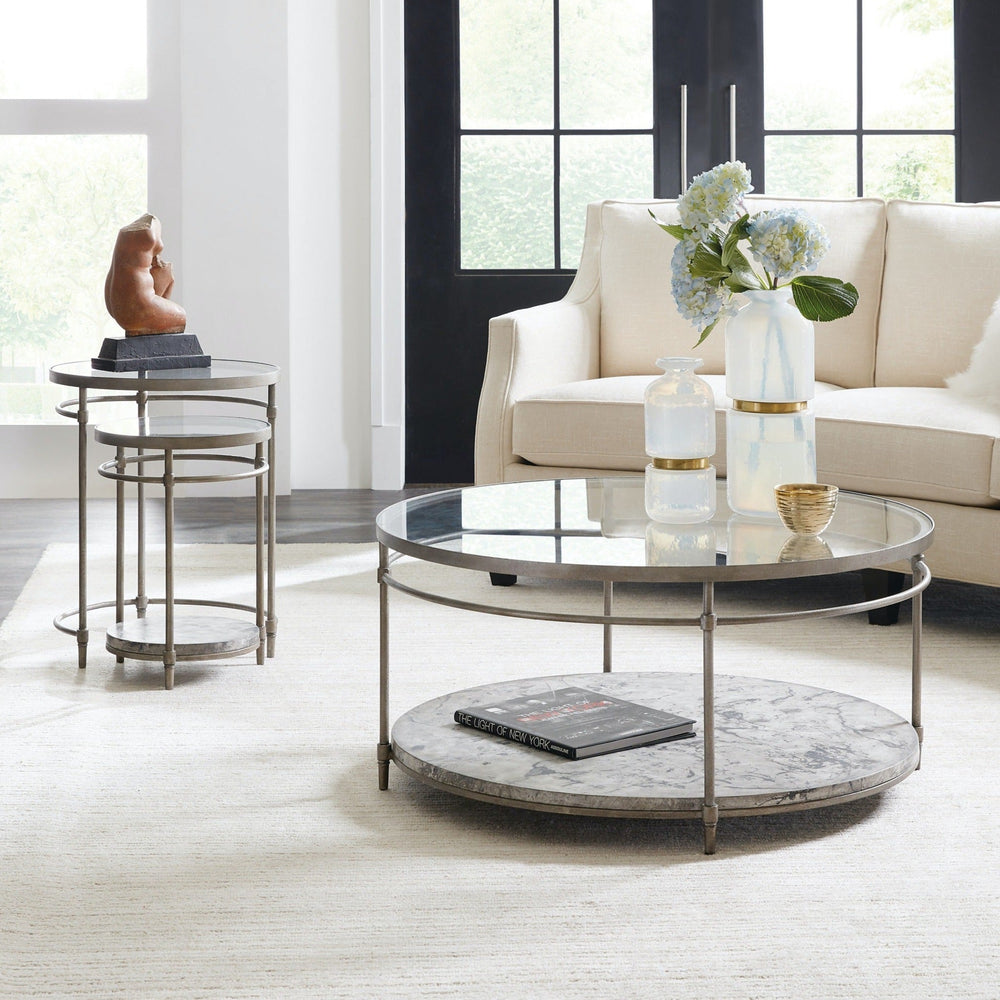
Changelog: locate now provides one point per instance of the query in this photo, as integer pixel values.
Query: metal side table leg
(272, 617)
(169, 651)
(259, 553)
(120, 542)
(82, 634)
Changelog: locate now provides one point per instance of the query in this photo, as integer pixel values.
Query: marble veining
(193, 636)
(779, 746)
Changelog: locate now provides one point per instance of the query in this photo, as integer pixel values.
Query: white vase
(770, 378)
(679, 410)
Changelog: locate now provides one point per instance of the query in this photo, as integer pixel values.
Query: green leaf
(737, 232)
(678, 232)
(743, 274)
(823, 299)
(706, 263)
(738, 283)
(704, 333)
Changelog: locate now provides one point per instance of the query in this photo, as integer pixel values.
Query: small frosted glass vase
(680, 439)
(770, 378)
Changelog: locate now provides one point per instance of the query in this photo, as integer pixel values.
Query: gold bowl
(806, 508)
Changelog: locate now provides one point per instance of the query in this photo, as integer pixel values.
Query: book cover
(575, 723)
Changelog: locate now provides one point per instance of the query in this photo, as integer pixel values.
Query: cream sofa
(563, 386)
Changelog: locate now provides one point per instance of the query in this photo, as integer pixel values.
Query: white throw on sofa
(563, 387)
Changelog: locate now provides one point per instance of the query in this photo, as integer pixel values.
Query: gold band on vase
(752, 406)
(680, 464)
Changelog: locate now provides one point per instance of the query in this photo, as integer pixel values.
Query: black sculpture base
(151, 350)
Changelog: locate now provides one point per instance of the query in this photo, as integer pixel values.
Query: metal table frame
(164, 384)
(392, 548)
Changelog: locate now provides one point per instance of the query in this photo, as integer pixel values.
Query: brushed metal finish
(435, 528)
(165, 434)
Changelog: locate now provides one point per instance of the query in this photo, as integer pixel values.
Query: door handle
(732, 121)
(684, 136)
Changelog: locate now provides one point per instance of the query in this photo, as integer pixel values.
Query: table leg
(710, 809)
(169, 652)
(609, 597)
(384, 751)
(82, 635)
(917, 628)
(120, 542)
(272, 617)
(141, 598)
(259, 552)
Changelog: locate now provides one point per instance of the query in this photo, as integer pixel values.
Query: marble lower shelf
(195, 637)
(779, 747)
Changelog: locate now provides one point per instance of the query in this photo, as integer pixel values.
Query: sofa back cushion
(942, 276)
(640, 322)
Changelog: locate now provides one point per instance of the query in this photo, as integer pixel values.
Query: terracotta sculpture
(137, 289)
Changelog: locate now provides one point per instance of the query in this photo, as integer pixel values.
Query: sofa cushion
(640, 322)
(942, 275)
(916, 442)
(599, 424)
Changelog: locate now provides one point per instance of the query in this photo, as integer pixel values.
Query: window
(871, 111)
(73, 170)
(556, 100)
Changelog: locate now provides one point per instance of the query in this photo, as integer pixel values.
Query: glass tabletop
(180, 430)
(598, 529)
(221, 374)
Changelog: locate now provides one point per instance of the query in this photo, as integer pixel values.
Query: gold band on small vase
(680, 464)
(751, 406)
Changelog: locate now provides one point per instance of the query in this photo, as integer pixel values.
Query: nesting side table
(143, 388)
(162, 441)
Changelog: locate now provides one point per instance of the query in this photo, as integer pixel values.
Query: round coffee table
(780, 759)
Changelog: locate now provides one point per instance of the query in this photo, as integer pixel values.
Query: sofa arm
(530, 349)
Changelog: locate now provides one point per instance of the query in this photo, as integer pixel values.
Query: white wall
(233, 261)
(328, 156)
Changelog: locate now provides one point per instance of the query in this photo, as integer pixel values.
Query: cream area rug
(227, 839)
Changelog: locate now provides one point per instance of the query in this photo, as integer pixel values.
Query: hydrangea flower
(714, 196)
(787, 242)
(708, 267)
(700, 301)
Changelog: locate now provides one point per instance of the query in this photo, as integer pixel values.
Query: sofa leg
(503, 579)
(881, 583)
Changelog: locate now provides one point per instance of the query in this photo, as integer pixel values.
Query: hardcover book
(576, 723)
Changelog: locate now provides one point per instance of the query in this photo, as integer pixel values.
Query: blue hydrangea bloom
(699, 300)
(787, 242)
(715, 196)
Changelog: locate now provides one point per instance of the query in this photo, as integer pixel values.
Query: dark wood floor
(27, 526)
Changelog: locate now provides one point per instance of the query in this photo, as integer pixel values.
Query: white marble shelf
(779, 747)
(195, 637)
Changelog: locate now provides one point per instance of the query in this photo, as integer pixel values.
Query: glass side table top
(598, 529)
(221, 374)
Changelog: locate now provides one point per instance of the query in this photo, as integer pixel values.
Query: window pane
(606, 64)
(62, 201)
(811, 166)
(505, 63)
(93, 50)
(810, 64)
(918, 167)
(507, 201)
(598, 166)
(909, 77)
